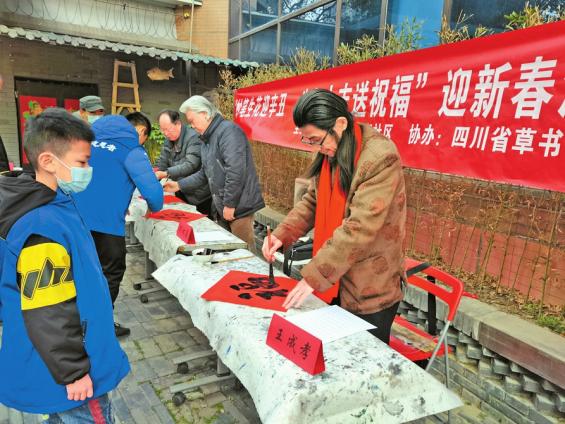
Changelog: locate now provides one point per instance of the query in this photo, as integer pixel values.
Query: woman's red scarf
(330, 209)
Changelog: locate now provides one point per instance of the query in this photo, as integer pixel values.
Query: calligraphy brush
(219, 261)
(271, 270)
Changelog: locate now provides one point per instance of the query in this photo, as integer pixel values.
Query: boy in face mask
(91, 109)
(59, 354)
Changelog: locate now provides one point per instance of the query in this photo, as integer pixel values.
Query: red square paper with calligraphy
(175, 215)
(168, 199)
(296, 344)
(244, 288)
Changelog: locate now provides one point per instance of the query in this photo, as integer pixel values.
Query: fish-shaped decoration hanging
(156, 74)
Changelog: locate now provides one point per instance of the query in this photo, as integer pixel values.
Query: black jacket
(228, 168)
(181, 159)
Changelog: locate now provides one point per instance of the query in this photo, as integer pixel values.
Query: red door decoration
(29, 107)
(71, 105)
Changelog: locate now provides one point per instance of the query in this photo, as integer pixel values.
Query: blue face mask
(80, 178)
(93, 118)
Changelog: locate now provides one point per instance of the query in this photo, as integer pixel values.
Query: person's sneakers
(121, 331)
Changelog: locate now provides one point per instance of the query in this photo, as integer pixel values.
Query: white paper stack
(330, 323)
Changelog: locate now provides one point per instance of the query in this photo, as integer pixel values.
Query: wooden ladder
(118, 107)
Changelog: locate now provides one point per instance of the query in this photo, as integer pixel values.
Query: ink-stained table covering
(365, 380)
(159, 237)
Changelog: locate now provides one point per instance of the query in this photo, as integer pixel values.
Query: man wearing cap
(91, 109)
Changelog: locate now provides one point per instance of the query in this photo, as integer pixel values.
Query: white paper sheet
(330, 323)
(211, 236)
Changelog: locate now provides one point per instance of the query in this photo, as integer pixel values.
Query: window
(233, 50)
(258, 12)
(290, 6)
(489, 14)
(235, 15)
(313, 30)
(260, 47)
(428, 13)
(359, 17)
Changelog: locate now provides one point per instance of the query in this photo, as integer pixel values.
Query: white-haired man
(227, 167)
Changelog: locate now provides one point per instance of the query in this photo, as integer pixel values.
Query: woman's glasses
(309, 142)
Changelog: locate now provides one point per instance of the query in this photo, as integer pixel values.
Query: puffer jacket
(228, 168)
(120, 165)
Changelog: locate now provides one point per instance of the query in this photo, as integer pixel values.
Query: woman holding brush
(356, 203)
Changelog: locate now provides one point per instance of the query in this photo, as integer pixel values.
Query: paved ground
(161, 331)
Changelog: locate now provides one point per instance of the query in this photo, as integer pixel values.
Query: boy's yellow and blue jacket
(119, 165)
(54, 301)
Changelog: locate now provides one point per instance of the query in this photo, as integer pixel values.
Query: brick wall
(503, 390)
(209, 27)
(510, 234)
(34, 59)
(503, 233)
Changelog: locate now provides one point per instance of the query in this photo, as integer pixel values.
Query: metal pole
(189, 71)
(191, 21)
(382, 29)
(338, 5)
(278, 46)
(189, 62)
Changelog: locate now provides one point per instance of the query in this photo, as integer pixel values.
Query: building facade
(56, 51)
(270, 31)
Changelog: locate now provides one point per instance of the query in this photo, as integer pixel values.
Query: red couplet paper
(244, 288)
(168, 199)
(295, 344)
(175, 215)
(185, 233)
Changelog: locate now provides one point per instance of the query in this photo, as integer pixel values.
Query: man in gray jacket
(180, 157)
(227, 167)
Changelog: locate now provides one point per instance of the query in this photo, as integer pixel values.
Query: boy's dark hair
(138, 118)
(53, 130)
(173, 115)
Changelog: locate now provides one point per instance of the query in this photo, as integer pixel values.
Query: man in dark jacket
(121, 166)
(227, 167)
(180, 157)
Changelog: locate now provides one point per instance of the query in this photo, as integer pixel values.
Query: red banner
(489, 108)
(31, 106)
